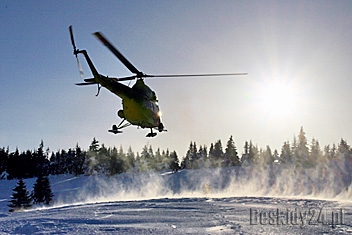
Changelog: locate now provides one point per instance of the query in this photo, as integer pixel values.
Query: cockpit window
(144, 90)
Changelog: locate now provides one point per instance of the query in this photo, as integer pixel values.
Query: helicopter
(139, 102)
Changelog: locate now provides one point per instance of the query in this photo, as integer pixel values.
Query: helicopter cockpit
(144, 90)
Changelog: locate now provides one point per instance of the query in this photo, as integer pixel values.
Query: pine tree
(20, 197)
(252, 153)
(286, 154)
(158, 158)
(40, 161)
(42, 191)
(315, 155)
(302, 151)
(268, 156)
(79, 163)
(216, 154)
(14, 166)
(231, 155)
(202, 157)
(174, 163)
(343, 150)
(93, 157)
(115, 164)
(47, 191)
(129, 159)
(145, 160)
(94, 146)
(193, 155)
(188, 161)
(246, 148)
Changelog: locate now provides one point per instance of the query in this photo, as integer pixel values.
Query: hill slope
(197, 202)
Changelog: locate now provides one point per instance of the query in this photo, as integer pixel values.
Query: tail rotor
(75, 51)
(79, 67)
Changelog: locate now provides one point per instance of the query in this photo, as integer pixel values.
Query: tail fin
(90, 63)
(88, 81)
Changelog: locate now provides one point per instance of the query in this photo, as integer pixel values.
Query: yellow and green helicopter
(139, 102)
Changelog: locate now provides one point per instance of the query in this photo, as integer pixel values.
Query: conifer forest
(99, 159)
(302, 164)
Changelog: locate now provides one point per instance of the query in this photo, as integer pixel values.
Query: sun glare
(278, 99)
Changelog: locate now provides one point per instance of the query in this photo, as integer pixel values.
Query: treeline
(298, 155)
(299, 167)
(99, 159)
(202, 158)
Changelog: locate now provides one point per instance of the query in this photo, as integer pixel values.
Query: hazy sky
(298, 56)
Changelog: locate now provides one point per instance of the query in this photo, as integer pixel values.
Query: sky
(297, 55)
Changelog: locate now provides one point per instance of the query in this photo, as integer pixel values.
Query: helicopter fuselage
(145, 114)
(139, 103)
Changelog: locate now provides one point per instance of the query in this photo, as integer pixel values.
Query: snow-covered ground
(188, 202)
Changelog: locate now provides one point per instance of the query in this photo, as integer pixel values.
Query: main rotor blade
(177, 75)
(117, 53)
(126, 78)
(194, 75)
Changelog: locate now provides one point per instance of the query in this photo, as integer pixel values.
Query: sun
(277, 99)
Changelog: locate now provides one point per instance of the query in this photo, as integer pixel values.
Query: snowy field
(188, 202)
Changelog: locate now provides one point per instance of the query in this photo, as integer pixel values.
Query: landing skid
(117, 129)
(151, 134)
(114, 130)
(160, 128)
